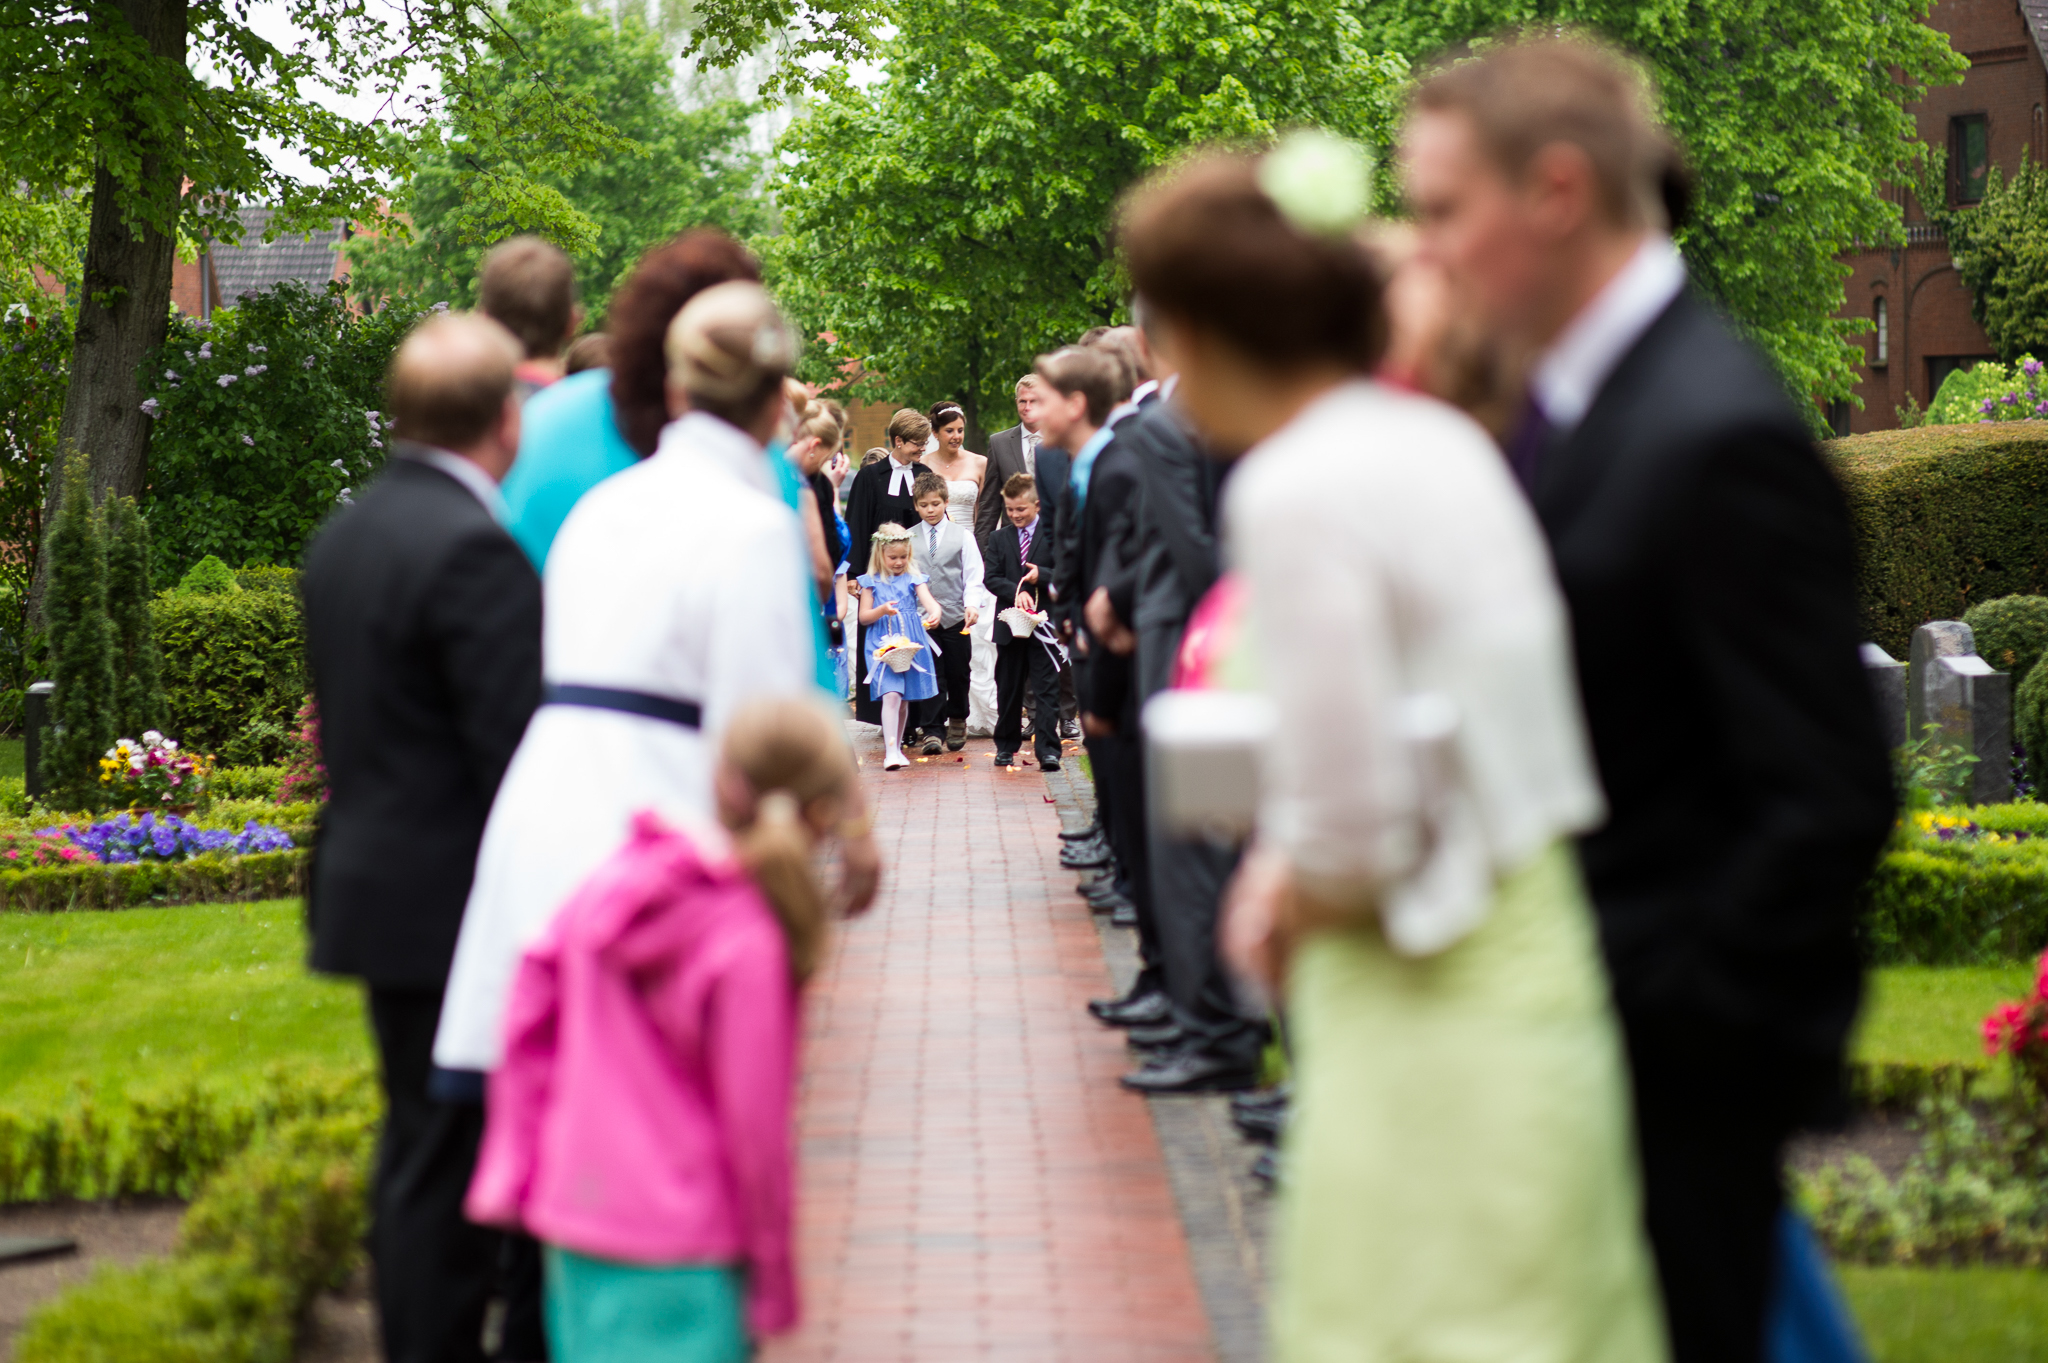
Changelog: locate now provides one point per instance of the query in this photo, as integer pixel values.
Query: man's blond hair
(1536, 92)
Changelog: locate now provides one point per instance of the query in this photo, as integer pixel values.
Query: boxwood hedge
(234, 668)
(1944, 517)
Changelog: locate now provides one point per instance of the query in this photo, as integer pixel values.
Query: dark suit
(1005, 457)
(1704, 550)
(423, 631)
(1019, 660)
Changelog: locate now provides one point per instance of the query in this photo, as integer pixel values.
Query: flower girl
(891, 592)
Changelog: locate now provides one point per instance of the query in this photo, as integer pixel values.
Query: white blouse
(1412, 637)
(680, 577)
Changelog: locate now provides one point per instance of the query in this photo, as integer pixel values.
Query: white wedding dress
(961, 495)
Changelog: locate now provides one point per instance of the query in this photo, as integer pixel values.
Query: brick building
(1913, 294)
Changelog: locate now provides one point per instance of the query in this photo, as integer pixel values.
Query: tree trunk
(124, 302)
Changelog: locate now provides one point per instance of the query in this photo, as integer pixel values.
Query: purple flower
(2010, 398)
(171, 374)
(306, 363)
(438, 307)
(166, 837)
(151, 408)
(2031, 365)
(248, 440)
(1987, 406)
(206, 350)
(226, 379)
(253, 370)
(259, 349)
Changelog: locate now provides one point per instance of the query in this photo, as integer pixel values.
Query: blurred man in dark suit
(1697, 532)
(423, 630)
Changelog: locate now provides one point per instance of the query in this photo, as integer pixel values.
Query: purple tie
(1024, 543)
(1527, 445)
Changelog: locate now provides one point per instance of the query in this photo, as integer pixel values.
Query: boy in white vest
(947, 555)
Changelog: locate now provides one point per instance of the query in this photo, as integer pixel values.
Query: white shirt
(1428, 588)
(902, 477)
(1568, 376)
(465, 471)
(1030, 451)
(678, 577)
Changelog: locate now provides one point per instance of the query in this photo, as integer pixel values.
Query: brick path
(975, 1184)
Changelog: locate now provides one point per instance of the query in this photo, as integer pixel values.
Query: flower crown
(890, 534)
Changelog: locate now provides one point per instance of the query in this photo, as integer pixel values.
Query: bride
(963, 471)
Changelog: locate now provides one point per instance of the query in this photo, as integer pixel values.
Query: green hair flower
(1320, 182)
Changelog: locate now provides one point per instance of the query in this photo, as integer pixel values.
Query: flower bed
(125, 838)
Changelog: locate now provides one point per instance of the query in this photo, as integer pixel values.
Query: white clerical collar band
(902, 478)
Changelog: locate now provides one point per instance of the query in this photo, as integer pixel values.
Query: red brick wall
(1928, 308)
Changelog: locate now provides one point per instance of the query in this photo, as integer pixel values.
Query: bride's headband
(954, 410)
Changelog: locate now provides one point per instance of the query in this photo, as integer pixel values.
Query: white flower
(150, 408)
(226, 379)
(171, 374)
(170, 745)
(1320, 182)
(259, 349)
(343, 497)
(206, 350)
(151, 736)
(253, 370)
(248, 440)
(306, 363)
(338, 464)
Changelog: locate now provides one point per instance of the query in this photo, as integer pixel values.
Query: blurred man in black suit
(1693, 525)
(1011, 451)
(423, 630)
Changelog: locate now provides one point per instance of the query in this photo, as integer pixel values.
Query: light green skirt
(1460, 1179)
(599, 1311)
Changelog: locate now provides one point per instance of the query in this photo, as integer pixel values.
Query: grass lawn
(1951, 1315)
(144, 996)
(1925, 1015)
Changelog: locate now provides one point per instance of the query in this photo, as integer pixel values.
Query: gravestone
(1966, 702)
(1888, 686)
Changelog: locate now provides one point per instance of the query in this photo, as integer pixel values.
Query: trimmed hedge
(1964, 902)
(212, 878)
(234, 668)
(1944, 517)
(267, 1232)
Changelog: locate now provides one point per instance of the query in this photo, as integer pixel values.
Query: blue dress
(921, 682)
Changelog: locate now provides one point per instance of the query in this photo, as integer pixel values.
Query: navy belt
(686, 713)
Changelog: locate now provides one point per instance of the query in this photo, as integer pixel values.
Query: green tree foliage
(138, 677)
(676, 167)
(35, 362)
(2001, 251)
(81, 646)
(264, 420)
(1794, 118)
(951, 221)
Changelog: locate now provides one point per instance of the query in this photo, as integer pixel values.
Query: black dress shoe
(1087, 834)
(1277, 1096)
(1049, 764)
(1004, 759)
(1124, 915)
(1145, 1010)
(1266, 1168)
(1163, 1036)
(1078, 856)
(1191, 1071)
(1261, 1124)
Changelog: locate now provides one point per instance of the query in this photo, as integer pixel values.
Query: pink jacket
(642, 1110)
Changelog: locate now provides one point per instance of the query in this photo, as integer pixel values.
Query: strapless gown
(961, 495)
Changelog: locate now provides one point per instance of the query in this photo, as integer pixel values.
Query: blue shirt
(1084, 464)
(569, 442)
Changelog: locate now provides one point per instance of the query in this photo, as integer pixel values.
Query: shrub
(1989, 391)
(213, 878)
(281, 1222)
(35, 367)
(268, 577)
(1944, 517)
(2011, 632)
(234, 667)
(81, 646)
(2030, 721)
(1977, 895)
(264, 418)
(235, 783)
(209, 577)
(138, 702)
(305, 773)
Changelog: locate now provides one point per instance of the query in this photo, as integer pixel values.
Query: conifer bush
(138, 676)
(81, 644)
(2011, 632)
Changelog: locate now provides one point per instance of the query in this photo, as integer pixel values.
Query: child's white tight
(892, 722)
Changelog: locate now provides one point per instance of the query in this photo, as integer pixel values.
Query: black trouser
(437, 1272)
(1119, 764)
(1016, 662)
(955, 668)
(1188, 876)
(1711, 1134)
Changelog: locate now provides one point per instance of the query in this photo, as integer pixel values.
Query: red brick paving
(975, 1185)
